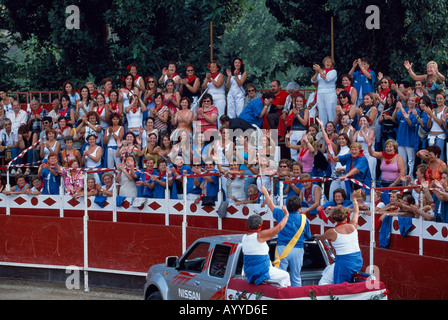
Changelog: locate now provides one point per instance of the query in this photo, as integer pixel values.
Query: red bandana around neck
(388, 157)
(214, 75)
(368, 70)
(326, 70)
(191, 78)
(38, 111)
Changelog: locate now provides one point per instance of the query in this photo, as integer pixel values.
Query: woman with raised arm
(257, 264)
(236, 77)
(344, 238)
(392, 164)
(433, 80)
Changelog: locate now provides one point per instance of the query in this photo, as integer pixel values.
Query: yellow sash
(290, 245)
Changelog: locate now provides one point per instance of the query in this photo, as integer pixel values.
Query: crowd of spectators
(233, 138)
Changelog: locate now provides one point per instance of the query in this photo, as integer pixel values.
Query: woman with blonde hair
(344, 238)
(433, 80)
(326, 78)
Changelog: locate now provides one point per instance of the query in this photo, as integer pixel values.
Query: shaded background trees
(276, 38)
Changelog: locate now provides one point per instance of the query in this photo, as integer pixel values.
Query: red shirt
(280, 99)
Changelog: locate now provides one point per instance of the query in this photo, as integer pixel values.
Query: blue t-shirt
(361, 81)
(362, 165)
(51, 182)
(252, 112)
(144, 191)
(406, 134)
(291, 228)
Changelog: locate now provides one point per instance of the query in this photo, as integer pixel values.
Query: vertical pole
(420, 237)
(184, 221)
(8, 188)
(372, 218)
(114, 197)
(211, 40)
(86, 238)
(332, 39)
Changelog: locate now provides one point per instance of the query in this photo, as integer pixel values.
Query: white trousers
(326, 103)
(235, 104)
(296, 136)
(408, 155)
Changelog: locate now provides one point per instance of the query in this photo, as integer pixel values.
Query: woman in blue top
(407, 133)
(356, 167)
(48, 172)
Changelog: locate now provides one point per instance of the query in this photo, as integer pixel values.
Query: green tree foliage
(252, 37)
(112, 34)
(409, 30)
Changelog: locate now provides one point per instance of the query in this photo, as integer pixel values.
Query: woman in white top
(214, 83)
(129, 90)
(340, 148)
(344, 238)
(50, 145)
(84, 105)
(257, 264)
(5, 101)
(437, 134)
(126, 177)
(112, 135)
(102, 110)
(92, 156)
(134, 114)
(326, 89)
(363, 135)
(235, 83)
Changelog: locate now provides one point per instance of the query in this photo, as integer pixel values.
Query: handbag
(208, 201)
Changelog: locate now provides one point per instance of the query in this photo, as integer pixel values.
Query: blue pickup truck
(212, 269)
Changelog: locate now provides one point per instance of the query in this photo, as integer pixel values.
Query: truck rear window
(218, 265)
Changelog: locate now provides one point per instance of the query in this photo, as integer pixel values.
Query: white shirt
(329, 84)
(9, 139)
(18, 120)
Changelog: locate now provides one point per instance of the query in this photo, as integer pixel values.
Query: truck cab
(207, 266)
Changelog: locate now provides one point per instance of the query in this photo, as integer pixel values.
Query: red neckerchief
(326, 70)
(134, 110)
(114, 107)
(161, 174)
(383, 93)
(255, 197)
(130, 90)
(377, 203)
(63, 113)
(341, 223)
(173, 76)
(388, 157)
(191, 78)
(361, 154)
(100, 111)
(158, 108)
(39, 110)
(237, 72)
(148, 173)
(62, 129)
(302, 153)
(368, 70)
(347, 108)
(93, 94)
(214, 75)
(348, 89)
(136, 77)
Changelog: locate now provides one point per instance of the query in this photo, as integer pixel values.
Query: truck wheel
(155, 296)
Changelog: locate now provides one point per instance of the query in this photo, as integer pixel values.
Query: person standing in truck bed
(257, 264)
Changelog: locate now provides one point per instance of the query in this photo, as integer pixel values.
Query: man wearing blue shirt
(294, 260)
(364, 79)
(254, 112)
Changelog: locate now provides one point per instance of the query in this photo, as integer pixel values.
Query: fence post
(86, 237)
(420, 236)
(372, 218)
(184, 221)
